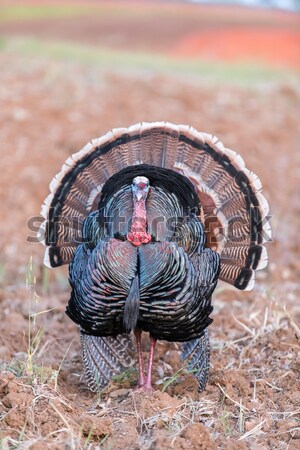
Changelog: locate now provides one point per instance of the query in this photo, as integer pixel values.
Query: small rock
(119, 393)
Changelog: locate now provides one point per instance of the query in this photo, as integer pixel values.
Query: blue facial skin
(140, 188)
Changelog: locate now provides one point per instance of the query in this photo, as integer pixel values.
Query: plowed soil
(50, 109)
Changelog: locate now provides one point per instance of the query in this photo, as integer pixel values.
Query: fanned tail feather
(234, 211)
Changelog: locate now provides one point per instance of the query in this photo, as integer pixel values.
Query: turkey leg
(147, 385)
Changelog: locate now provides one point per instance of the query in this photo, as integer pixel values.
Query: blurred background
(72, 70)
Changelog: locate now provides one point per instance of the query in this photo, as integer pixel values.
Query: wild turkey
(149, 218)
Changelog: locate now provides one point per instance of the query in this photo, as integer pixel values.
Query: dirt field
(50, 108)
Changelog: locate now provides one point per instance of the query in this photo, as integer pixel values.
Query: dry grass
(243, 402)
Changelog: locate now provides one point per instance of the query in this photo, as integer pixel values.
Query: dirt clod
(198, 435)
(96, 427)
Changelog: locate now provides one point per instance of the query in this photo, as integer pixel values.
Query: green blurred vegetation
(43, 11)
(32, 12)
(127, 10)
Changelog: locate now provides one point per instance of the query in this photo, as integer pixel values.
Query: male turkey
(149, 218)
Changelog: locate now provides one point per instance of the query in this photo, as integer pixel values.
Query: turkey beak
(139, 195)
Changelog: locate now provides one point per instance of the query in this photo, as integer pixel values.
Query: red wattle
(138, 235)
